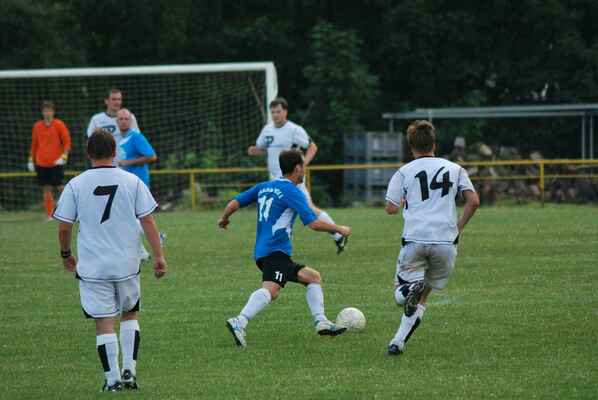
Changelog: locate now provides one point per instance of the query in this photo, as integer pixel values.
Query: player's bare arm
(255, 151)
(65, 233)
(321, 226)
(229, 210)
(153, 237)
(310, 153)
(138, 161)
(472, 202)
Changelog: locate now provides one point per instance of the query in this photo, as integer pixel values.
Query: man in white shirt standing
(282, 134)
(108, 203)
(107, 120)
(426, 188)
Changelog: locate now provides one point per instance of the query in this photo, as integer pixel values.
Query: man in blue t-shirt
(134, 152)
(278, 204)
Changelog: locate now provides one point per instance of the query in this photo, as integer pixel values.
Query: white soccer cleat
(143, 254)
(238, 332)
(327, 328)
(412, 299)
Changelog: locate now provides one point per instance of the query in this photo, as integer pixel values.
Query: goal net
(196, 117)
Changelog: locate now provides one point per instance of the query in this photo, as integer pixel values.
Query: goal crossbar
(267, 67)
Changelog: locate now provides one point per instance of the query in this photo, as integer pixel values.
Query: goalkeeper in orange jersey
(50, 145)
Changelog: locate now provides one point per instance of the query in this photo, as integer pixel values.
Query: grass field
(518, 320)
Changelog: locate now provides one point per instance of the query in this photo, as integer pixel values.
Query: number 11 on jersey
(264, 205)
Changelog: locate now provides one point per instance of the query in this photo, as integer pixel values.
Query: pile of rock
(521, 183)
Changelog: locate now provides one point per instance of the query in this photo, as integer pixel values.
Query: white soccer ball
(351, 318)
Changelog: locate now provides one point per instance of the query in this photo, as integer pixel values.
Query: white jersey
(108, 123)
(107, 202)
(429, 186)
(275, 140)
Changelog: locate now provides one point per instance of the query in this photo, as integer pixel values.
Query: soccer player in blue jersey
(278, 203)
(134, 150)
(134, 153)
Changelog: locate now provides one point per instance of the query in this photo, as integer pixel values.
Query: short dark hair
(421, 136)
(288, 160)
(101, 145)
(110, 91)
(47, 104)
(279, 101)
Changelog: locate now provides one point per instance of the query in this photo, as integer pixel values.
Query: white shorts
(432, 263)
(108, 299)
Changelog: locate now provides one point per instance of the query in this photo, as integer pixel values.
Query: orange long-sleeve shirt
(48, 143)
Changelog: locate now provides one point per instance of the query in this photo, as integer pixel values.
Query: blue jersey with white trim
(278, 204)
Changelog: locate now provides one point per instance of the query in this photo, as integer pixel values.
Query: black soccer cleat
(129, 380)
(116, 387)
(412, 299)
(340, 244)
(394, 350)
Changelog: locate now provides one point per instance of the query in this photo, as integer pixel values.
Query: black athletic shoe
(340, 244)
(412, 299)
(394, 350)
(117, 387)
(129, 380)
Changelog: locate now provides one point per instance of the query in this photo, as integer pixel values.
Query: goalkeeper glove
(61, 160)
(30, 166)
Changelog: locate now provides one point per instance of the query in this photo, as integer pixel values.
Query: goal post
(195, 116)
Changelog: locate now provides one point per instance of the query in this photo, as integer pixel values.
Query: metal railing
(541, 176)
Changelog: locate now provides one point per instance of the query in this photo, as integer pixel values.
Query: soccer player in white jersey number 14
(426, 188)
(108, 202)
(282, 134)
(278, 204)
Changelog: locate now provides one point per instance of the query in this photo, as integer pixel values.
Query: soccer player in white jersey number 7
(282, 134)
(107, 202)
(278, 203)
(426, 188)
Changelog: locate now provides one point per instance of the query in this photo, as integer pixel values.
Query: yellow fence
(541, 177)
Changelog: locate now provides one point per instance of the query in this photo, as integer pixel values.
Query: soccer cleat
(129, 380)
(162, 239)
(327, 328)
(395, 349)
(116, 387)
(340, 244)
(143, 254)
(238, 332)
(412, 299)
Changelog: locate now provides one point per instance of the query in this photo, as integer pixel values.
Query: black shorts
(279, 268)
(50, 176)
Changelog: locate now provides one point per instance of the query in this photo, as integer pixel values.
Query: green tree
(340, 90)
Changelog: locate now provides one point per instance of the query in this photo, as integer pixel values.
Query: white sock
(107, 346)
(143, 254)
(129, 342)
(408, 325)
(256, 303)
(315, 301)
(324, 216)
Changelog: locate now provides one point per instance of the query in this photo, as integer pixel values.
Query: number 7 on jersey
(109, 191)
